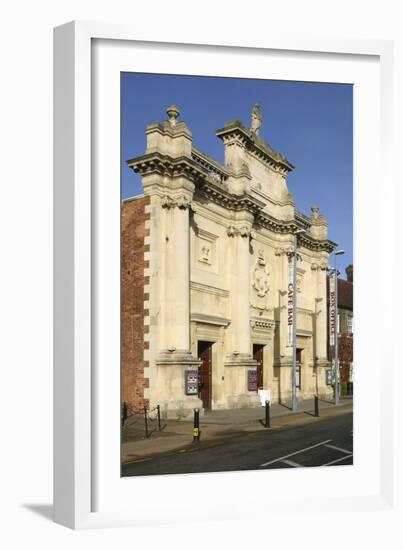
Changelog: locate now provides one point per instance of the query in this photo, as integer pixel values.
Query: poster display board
(252, 380)
(191, 382)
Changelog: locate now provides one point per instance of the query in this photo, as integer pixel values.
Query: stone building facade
(205, 279)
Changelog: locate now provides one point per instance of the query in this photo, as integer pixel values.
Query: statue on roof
(257, 119)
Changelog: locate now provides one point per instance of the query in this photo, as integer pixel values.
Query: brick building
(345, 326)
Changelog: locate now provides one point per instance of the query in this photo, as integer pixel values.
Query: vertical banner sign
(332, 310)
(290, 296)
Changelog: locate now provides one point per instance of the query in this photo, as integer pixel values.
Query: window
(350, 324)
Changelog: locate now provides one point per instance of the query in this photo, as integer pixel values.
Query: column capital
(242, 230)
(176, 201)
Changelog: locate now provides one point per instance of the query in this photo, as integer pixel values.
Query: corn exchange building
(206, 284)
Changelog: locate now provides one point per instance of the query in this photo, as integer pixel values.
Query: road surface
(325, 442)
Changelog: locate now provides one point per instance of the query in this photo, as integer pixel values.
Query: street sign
(290, 300)
(332, 309)
(264, 395)
(191, 382)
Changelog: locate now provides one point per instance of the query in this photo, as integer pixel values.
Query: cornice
(210, 165)
(221, 196)
(209, 319)
(254, 144)
(303, 220)
(276, 226)
(201, 287)
(211, 183)
(304, 333)
(165, 165)
(317, 245)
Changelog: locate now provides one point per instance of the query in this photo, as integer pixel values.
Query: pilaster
(171, 190)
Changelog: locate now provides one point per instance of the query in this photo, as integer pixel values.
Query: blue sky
(309, 123)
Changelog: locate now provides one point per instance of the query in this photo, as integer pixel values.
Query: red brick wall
(132, 303)
(346, 347)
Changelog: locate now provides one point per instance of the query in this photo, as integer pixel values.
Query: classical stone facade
(214, 275)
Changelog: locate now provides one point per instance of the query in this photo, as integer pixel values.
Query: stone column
(174, 356)
(169, 183)
(240, 286)
(177, 270)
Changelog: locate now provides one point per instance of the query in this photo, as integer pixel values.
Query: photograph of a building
(224, 289)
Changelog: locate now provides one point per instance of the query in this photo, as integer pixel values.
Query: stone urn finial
(173, 113)
(315, 211)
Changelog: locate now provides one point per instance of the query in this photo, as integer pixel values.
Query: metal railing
(148, 419)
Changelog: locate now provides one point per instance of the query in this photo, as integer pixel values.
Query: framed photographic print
(208, 345)
(211, 251)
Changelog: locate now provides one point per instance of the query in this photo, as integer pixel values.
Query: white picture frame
(87, 492)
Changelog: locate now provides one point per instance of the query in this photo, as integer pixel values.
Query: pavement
(217, 426)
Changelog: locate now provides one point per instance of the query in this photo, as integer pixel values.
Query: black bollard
(124, 413)
(196, 427)
(267, 415)
(316, 405)
(145, 422)
(159, 418)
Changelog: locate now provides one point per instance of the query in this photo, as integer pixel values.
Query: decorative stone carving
(180, 201)
(260, 275)
(183, 202)
(262, 324)
(283, 250)
(231, 231)
(315, 211)
(166, 201)
(257, 119)
(205, 254)
(242, 231)
(260, 283)
(213, 177)
(323, 266)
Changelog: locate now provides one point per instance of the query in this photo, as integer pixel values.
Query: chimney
(349, 272)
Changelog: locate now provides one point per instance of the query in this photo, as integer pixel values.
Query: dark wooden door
(205, 355)
(258, 356)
